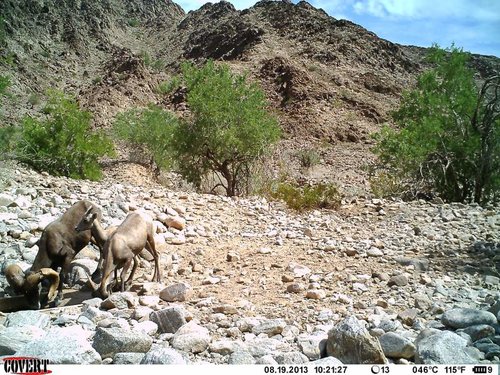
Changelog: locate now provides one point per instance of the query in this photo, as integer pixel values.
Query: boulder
(442, 348)
(396, 346)
(351, 343)
(13, 339)
(463, 317)
(28, 318)
(169, 320)
(109, 341)
(68, 345)
(159, 355)
(191, 337)
(178, 292)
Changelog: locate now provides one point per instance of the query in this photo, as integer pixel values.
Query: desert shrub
(34, 99)
(308, 158)
(448, 139)
(4, 84)
(133, 22)
(386, 185)
(151, 127)
(227, 131)
(156, 64)
(60, 143)
(307, 197)
(167, 87)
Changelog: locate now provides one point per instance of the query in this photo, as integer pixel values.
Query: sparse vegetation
(60, 143)
(448, 140)
(307, 197)
(3, 33)
(228, 131)
(156, 64)
(4, 83)
(151, 127)
(308, 158)
(167, 87)
(34, 99)
(133, 22)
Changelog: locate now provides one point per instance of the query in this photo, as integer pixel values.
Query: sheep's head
(28, 284)
(87, 220)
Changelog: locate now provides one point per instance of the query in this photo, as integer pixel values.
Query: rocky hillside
(330, 82)
(247, 281)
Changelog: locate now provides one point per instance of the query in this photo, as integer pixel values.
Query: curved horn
(53, 277)
(91, 283)
(15, 277)
(45, 273)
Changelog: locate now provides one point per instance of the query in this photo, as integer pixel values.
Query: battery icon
(480, 369)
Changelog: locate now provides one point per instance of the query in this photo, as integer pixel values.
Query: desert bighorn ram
(133, 235)
(57, 247)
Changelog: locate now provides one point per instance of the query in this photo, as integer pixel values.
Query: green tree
(229, 129)
(448, 139)
(61, 143)
(151, 127)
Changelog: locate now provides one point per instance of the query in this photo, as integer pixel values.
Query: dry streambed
(247, 281)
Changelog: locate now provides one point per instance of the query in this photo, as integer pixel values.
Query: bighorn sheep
(91, 221)
(28, 284)
(57, 247)
(133, 235)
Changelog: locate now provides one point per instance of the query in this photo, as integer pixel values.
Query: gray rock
(290, 358)
(461, 318)
(95, 315)
(270, 327)
(28, 318)
(408, 316)
(389, 325)
(128, 358)
(399, 280)
(159, 355)
(191, 337)
(426, 333)
(123, 300)
(225, 346)
(374, 252)
(266, 360)
(169, 320)
(241, 357)
(259, 347)
(487, 347)
(6, 200)
(418, 264)
(13, 339)
(68, 345)
(109, 341)
(148, 327)
(178, 292)
(327, 361)
(480, 331)
(312, 345)
(396, 346)
(350, 342)
(442, 348)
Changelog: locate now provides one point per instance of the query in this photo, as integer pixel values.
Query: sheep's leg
(134, 268)
(150, 246)
(64, 275)
(97, 275)
(125, 269)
